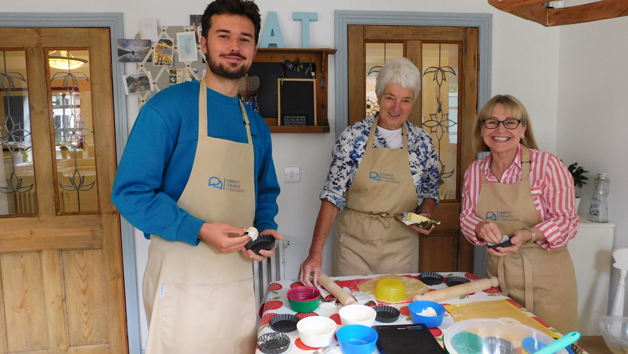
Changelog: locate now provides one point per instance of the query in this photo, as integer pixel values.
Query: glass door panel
(440, 109)
(377, 54)
(75, 165)
(17, 179)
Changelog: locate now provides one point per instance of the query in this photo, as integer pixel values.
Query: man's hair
(232, 7)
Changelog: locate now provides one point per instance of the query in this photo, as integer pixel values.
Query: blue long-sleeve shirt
(159, 155)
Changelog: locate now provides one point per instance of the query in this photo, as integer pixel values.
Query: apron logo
(215, 182)
(502, 216)
(228, 185)
(383, 177)
(374, 176)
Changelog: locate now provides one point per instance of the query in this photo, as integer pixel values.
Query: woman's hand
(519, 238)
(311, 266)
(489, 231)
(420, 229)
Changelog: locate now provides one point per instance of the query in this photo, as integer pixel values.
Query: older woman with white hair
(382, 167)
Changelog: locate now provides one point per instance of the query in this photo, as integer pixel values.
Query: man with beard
(196, 169)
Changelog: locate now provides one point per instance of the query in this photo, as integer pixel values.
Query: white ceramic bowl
(357, 314)
(316, 331)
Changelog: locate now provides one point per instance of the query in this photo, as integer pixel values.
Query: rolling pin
(458, 290)
(333, 288)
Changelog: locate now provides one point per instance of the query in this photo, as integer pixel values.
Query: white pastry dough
(253, 233)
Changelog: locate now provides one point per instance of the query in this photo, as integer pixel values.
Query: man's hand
(312, 265)
(217, 235)
(263, 253)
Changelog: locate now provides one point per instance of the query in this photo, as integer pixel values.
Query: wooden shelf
(317, 56)
(534, 10)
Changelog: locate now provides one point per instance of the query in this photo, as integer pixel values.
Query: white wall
(525, 64)
(593, 111)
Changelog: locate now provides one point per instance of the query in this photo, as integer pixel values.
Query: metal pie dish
(453, 281)
(430, 278)
(273, 343)
(284, 323)
(386, 314)
(263, 242)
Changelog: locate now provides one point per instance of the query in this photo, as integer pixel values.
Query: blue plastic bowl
(356, 339)
(417, 307)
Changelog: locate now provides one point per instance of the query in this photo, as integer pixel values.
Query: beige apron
(542, 281)
(369, 239)
(197, 299)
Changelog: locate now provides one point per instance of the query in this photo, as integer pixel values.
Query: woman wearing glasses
(527, 194)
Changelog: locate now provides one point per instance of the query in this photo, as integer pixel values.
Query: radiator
(26, 203)
(267, 271)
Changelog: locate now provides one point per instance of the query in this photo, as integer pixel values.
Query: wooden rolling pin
(344, 297)
(458, 290)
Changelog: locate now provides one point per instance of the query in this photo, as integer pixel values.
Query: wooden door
(61, 283)
(447, 57)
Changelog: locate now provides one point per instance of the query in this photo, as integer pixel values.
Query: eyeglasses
(509, 123)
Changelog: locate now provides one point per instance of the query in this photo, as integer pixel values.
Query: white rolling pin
(344, 297)
(458, 290)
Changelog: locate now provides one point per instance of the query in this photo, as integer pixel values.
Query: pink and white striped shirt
(553, 193)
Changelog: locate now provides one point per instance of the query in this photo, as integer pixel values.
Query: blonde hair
(512, 106)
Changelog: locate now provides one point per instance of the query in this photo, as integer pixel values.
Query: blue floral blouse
(349, 150)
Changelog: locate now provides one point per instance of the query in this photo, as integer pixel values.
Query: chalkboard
(267, 93)
(297, 102)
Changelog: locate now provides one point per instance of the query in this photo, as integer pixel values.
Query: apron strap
(525, 164)
(528, 280)
(383, 218)
(528, 283)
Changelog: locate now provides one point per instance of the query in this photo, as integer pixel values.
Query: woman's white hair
(401, 72)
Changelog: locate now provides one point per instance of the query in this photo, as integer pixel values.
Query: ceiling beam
(507, 5)
(534, 10)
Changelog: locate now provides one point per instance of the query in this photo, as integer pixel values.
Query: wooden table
(276, 302)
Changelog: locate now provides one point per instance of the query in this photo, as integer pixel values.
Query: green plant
(577, 172)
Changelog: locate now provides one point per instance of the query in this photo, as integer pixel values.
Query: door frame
(114, 22)
(344, 18)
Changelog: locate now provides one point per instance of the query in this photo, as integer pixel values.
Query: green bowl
(304, 298)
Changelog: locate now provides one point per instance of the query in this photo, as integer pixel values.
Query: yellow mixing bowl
(390, 290)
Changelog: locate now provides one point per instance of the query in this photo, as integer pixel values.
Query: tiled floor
(593, 345)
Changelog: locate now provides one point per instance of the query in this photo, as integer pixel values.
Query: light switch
(291, 174)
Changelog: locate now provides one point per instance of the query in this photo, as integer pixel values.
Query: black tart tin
(273, 343)
(430, 278)
(284, 323)
(386, 314)
(263, 242)
(505, 243)
(453, 281)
